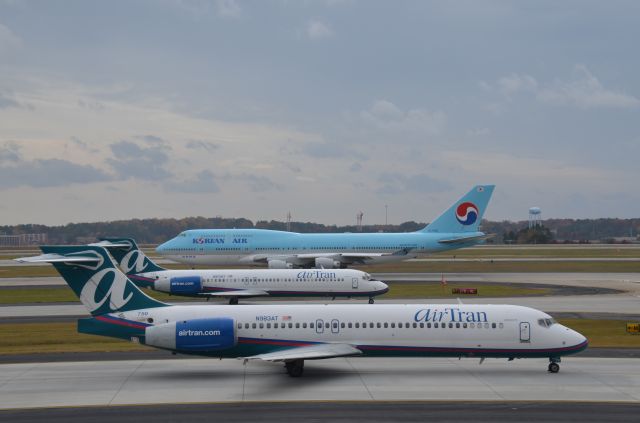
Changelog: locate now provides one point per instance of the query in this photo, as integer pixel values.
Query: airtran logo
(134, 262)
(449, 315)
(203, 240)
(467, 213)
(114, 293)
(317, 274)
(189, 332)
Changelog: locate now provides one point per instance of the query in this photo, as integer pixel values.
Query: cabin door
(335, 326)
(354, 283)
(319, 326)
(525, 332)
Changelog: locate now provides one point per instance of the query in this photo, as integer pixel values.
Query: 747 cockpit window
(546, 323)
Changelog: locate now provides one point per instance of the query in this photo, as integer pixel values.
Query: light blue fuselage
(246, 246)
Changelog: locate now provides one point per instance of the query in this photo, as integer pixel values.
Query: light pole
(386, 214)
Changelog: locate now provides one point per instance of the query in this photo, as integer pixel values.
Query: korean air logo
(199, 240)
(467, 213)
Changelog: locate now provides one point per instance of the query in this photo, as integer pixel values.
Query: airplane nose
(162, 248)
(383, 287)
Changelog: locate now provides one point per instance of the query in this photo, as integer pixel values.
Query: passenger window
(290, 325)
(268, 325)
(311, 325)
(464, 325)
(378, 325)
(371, 325)
(253, 325)
(350, 325)
(457, 325)
(327, 325)
(472, 325)
(297, 325)
(493, 325)
(386, 325)
(450, 325)
(415, 325)
(435, 325)
(246, 325)
(357, 325)
(342, 325)
(304, 326)
(239, 325)
(335, 325)
(261, 325)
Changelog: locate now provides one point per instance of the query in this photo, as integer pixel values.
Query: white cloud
(8, 40)
(586, 91)
(317, 30)
(228, 8)
(385, 115)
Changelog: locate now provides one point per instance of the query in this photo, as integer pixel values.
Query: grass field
(28, 338)
(60, 294)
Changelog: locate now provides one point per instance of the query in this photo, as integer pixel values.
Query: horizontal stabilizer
(58, 258)
(464, 239)
(309, 353)
(109, 244)
(238, 293)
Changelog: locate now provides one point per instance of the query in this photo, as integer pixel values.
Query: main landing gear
(371, 301)
(294, 368)
(554, 367)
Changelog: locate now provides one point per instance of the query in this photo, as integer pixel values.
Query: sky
(174, 108)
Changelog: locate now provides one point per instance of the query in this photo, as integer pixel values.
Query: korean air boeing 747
(240, 283)
(295, 333)
(455, 228)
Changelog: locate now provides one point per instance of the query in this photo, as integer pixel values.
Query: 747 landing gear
(294, 368)
(554, 367)
(371, 301)
(233, 300)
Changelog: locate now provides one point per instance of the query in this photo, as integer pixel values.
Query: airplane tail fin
(128, 255)
(465, 214)
(94, 278)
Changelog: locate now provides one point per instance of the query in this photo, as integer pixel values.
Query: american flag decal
(285, 318)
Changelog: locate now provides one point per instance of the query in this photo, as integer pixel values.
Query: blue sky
(173, 108)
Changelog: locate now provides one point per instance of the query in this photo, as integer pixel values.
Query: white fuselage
(406, 329)
(275, 282)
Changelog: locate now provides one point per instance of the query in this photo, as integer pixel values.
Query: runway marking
(361, 378)
(124, 382)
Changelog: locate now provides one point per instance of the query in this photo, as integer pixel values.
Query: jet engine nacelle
(183, 285)
(196, 335)
(279, 264)
(327, 263)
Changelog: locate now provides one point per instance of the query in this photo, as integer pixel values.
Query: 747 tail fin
(465, 214)
(94, 278)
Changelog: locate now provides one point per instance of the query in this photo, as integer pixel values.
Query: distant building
(22, 240)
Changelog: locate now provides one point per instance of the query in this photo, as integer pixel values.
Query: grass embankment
(504, 267)
(60, 294)
(542, 252)
(29, 338)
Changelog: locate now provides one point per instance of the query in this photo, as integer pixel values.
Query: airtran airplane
(295, 333)
(240, 283)
(455, 228)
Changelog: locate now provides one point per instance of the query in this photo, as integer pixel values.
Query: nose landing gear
(371, 301)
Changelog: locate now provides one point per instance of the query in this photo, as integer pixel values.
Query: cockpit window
(366, 277)
(183, 234)
(546, 323)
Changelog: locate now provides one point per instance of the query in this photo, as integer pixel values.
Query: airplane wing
(308, 259)
(57, 258)
(237, 293)
(312, 352)
(463, 239)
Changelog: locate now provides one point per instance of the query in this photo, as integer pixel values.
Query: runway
(108, 383)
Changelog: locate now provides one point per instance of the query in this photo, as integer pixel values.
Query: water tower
(535, 217)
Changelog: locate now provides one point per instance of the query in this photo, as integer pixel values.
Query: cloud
(134, 161)
(83, 145)
(586, 92)
(49, 173)
(8, 40)
(256, 183)
(317, 30)
(385, 115)
(228, 8)
(6, 102)
(204, 182)
(396, 183)
(207, 146)
(10, 152)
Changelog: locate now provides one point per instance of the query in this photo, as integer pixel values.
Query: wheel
(554, 367)
(233, 300)
(294, 368)
(371, 301)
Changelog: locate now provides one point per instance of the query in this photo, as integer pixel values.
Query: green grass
(28, 338)
(542, 252)
(604, 333)
(61, 294)
(435, 290)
